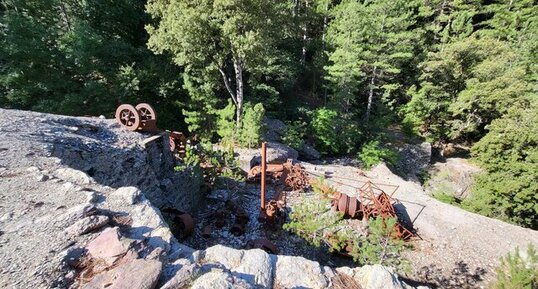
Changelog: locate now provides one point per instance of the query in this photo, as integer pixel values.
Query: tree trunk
(370, 95)
(227, 84)
(323, 51)
(238, 88)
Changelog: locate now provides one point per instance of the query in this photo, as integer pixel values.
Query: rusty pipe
(264, 169)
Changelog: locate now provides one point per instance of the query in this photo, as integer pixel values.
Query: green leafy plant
(518, 272)
(334, 134)
(294, 135)
(321, 187)
(373, 153)
(312, 219)
(380, 246)
(508, 154)
(324, 127)
(226, 126)
(250, 132)
(318, 225)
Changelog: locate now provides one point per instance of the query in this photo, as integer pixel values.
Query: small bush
(372, 153)
(380, 247)
(215, 166)
(446, 198)
(517, 272)
(250, 132)
(320, 186)
(334, 134)
(226, 126)
(318, 225)
(295, 134)
(311, 220)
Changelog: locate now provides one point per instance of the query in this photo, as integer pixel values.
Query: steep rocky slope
(79, 200)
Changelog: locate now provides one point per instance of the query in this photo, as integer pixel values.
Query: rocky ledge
(79, 209)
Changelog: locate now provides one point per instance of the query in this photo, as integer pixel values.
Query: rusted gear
(148, 117)
(271, 209)
(128, 116)
(296, 177)
(178, 143)
(146, 112)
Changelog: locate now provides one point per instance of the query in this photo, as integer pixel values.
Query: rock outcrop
(80, 200)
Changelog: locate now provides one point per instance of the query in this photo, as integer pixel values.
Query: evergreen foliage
(341, 72)
(517, 271)
(372, 154)
(508, 187)
(313, 221)
(250, 131)
(295, 134)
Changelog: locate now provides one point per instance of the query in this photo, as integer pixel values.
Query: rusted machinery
(348, 206)
(372, 202)
(289, 174)
(140, 117)
(178, 143)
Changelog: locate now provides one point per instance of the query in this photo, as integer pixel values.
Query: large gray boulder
(298, 272)
(274, 129)
(253, 266)
(414, 159)
(375, 277)
(308, 153)
(453, 177)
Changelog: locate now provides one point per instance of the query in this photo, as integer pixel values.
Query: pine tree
(372, 41)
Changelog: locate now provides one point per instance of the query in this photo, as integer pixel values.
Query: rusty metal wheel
(128, 116)
(146, 111)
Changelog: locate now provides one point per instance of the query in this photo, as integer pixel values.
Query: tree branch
(227, 84)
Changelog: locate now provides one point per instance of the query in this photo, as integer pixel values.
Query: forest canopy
(339, 72)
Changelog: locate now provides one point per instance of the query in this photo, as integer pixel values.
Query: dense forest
(339, 73)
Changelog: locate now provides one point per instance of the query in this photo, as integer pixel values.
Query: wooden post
(264, 169)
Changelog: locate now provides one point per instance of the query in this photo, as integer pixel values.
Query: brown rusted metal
(348, 206)
(142, 117)
(128, 117)
(148, 117)
(178, 143)
(374, 202)
(263, 244)
(294, 176)
(289, 174)
(263, 174)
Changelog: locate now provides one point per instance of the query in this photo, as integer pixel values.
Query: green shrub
(321, 187)
(216, 167)
(508, 187)
(250, 132)
(316, 223)
(446, 198)
(517, 272)
(226, 126)
(295, 134)
(334, 134)
(372, 153)
(380, 247)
